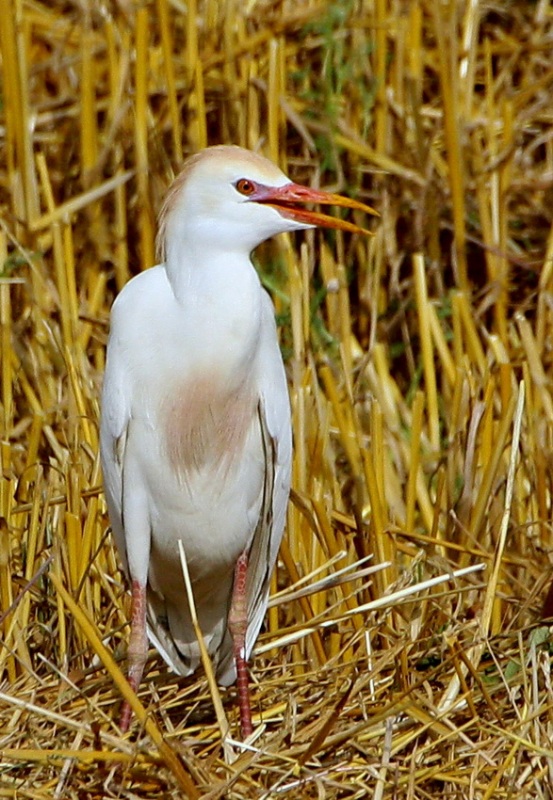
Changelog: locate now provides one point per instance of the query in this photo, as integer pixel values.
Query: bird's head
(233, 199)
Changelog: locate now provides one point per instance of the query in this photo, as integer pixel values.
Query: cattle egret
(195, 433)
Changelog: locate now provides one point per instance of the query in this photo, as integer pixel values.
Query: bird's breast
(206, 423)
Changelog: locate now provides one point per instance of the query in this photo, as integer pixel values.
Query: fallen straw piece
(393, 599)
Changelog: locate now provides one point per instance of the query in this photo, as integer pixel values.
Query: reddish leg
(138, 648)
(238, 625)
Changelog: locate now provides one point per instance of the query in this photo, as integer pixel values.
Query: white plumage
(195, 431)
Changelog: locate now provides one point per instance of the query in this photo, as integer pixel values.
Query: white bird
(196, 439)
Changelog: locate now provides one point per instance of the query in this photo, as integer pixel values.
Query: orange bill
(290, 199)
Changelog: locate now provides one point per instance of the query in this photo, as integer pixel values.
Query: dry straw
(419, 365)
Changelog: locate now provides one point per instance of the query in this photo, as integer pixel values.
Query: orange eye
(244, 186)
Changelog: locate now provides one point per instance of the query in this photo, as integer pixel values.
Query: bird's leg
(238, 625)
(138, 647)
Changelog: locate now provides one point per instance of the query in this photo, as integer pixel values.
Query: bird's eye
(244, 186)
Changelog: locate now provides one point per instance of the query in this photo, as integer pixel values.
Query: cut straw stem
(491, 590)
(222, 721)
(427, 351)
(166, 751)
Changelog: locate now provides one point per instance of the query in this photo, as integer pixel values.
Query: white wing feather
(274, 419)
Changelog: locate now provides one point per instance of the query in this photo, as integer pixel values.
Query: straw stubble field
(419, 368)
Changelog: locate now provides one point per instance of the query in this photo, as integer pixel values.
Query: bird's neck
(220, 299)
(205, 274)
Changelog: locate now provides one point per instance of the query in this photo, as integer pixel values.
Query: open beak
(290, 199)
